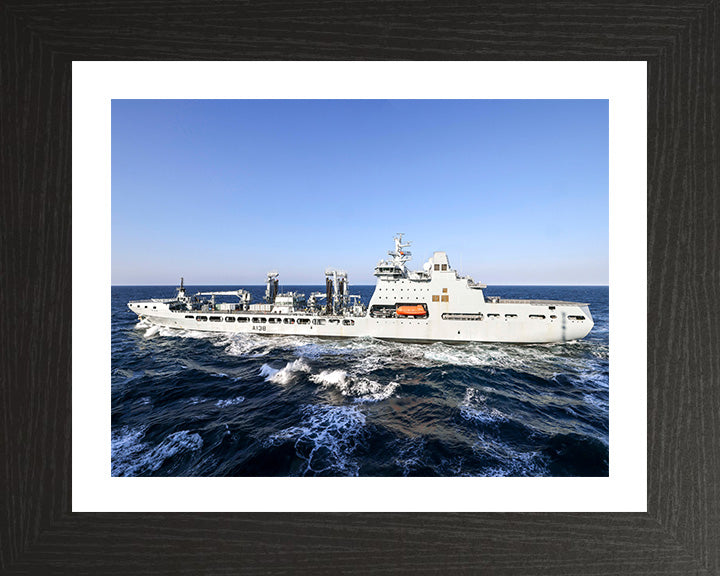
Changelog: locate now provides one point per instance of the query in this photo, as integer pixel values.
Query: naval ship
(432, 304)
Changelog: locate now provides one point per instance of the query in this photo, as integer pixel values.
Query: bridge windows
(229, 319)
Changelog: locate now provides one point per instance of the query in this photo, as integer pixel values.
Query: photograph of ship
(269, 362)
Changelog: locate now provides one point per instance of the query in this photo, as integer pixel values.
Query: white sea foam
(369, 362)
(196, 334)
(128, 374)
(126, 449)
(230, 402)
(247, 345)
(596, 401)
(151, 331)
(284, 375)
(326, 439)
(132, 457)
(602, 352)
(267, 371)
(336, 378)
(362, 389)
(474, 407)
(410, 454)
(506, 461)
(319, 349)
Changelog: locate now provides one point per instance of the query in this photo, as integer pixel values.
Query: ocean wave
(127, 374)
(286, 374)
(362, 389)
(133, 457)
(365, 355)
(596, 401)
(440, 409)
(474, 407)
(244, 345)
(504, 460)
(410, 454)
(152, 330)
(229, 402)
(592, 380)
(326, 440)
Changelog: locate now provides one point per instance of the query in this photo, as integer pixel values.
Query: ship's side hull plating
(519, 323)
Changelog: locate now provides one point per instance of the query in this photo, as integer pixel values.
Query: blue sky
(222, 191)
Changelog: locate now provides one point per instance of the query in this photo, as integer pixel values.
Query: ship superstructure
(432, 304)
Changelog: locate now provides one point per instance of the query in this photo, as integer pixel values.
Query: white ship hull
(519, 329)
(450, 308)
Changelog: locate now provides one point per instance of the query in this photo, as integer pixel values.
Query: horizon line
(320, 284)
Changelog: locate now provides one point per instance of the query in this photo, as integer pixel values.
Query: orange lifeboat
(417, 310)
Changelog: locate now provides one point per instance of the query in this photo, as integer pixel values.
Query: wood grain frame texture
(680, 533)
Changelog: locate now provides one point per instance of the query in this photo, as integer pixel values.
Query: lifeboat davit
(417, 310)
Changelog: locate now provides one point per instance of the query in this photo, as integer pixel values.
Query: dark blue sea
(188, 403)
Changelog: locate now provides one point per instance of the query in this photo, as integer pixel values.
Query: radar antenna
(400, 254)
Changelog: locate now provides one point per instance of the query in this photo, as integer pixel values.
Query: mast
(400, 255)
(395, 268)
(271, 289)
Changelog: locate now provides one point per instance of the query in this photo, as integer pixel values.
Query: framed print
(676, 532)
(334, 399)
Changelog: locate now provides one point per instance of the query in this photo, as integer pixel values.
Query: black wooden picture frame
(680, 533)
